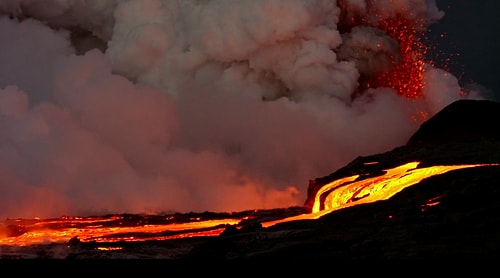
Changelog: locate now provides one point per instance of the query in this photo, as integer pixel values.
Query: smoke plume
(155, 106)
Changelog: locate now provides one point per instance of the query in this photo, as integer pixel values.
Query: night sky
(471, 30)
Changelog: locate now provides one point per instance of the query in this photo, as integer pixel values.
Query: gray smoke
(153, 106)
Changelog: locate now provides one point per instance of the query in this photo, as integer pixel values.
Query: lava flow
(338, 194)
(350, 191)
(114, 228)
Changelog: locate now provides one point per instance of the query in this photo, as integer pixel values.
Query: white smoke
(151, 106)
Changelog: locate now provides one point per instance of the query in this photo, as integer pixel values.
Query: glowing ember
(431, 202)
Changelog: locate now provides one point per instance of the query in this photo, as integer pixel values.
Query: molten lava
(104, 229)
(338, 194)
(350, 191)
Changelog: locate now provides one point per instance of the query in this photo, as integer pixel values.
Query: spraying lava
(407, 76)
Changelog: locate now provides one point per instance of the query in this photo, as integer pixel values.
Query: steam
(151, 106)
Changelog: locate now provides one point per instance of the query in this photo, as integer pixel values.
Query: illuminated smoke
(150, 106)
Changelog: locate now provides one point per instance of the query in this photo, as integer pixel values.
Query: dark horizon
(472, 39)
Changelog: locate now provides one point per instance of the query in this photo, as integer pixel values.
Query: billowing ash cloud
(151, 106)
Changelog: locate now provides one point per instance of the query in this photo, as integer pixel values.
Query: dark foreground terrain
(450, 217)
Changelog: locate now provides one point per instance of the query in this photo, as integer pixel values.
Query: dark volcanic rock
(461, 121)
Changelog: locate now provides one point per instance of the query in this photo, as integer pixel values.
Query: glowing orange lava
(350, 191)
(105, 229)
(339, 194)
